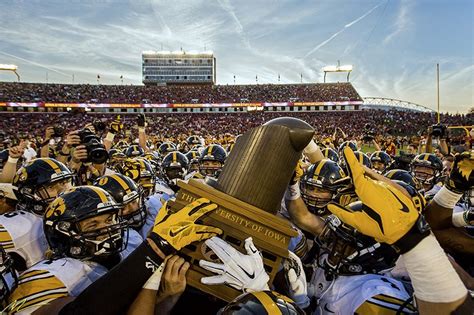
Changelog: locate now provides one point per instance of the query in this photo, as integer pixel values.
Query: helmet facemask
(211, 168)
(344, 251)
(39, 198)
(315, 197)
(134, 206)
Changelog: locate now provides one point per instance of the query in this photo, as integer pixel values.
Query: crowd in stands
(85, 93)
(403, 125)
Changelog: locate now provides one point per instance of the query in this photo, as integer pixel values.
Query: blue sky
(394, 45)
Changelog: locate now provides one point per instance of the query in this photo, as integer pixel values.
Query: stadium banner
(179, 105)
(10, 104)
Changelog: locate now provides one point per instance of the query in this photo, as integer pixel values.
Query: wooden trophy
(248, 193)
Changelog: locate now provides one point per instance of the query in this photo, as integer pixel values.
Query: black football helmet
(212, 160)
(404, 176)
(166, 147)
(134, 151)
(324, 176)
(380, 161)
(350, 144)
(420, 165)
(9, 277)
(193, 158)
(141, 171)
(71, 231)
(33, 183)
(174, 167)
(193, 140)
(361, 157)
(330, 154)
(128, 194)
(342, 250)
(262, 302)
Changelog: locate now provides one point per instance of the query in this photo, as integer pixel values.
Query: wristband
(293, 192)
(12, 160)
(433, 277)
(110, 136)
(141, 129)
(153, 282)
(446, 198)
(461, 219)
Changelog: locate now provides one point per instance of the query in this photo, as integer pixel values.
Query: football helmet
(128, 194)
(193, 140)
(427, 168)
(380, 161)
(261, 302)
(212, 160)
(193, 158)
(84, 223)
(134, 151)
(39, 182)
(9, 277)
(141, 171)
(330, 154)
(342, 250)
(361, 157)
(320, 183)
(404, 176)
(166, 147)
(174, 166)
(350, 144)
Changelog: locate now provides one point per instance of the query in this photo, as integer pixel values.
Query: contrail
(35, 63)
(226, 6)
(342, 30)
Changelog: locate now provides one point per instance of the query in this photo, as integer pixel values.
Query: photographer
(438, 131)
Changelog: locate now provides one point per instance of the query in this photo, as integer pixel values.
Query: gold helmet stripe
(269, 305)
(318, 168)
(121, 182)
(209, 150)
(100, 193)
(174, 157)
(53, 165)
(426, 157)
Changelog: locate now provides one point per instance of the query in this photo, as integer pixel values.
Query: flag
(121, 77)
(98, 76)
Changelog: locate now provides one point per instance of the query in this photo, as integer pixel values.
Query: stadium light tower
(338, 68)
(12, 68)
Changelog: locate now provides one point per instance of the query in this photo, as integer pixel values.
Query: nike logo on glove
(173, 234)
(251, 276)
(404, 206)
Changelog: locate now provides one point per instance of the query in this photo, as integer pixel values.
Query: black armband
(114, 292)
(418, 232)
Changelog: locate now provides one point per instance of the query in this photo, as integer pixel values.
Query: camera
(369, 133)
(96, 152)
(99, 125)
(439, 130)
(58, 131)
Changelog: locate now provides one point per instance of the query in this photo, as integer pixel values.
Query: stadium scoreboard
(178, 67)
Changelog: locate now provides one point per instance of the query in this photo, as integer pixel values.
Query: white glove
(242, 272)
(296, 280)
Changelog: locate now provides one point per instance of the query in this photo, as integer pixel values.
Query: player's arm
(304, 219)
(115, 127)
(142, 132)
(391, 217)
(313, 152)
(9, 169)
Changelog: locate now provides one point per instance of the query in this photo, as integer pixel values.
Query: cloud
(348, 25)
(402, 22)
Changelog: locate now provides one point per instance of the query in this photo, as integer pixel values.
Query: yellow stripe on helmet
(122, 183)
(269, 305)
(318, 169)
(53, 165)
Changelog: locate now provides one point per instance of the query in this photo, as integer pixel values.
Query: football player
(427, 169)
(212, 160)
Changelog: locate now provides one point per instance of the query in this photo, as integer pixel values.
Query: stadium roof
(391, 103)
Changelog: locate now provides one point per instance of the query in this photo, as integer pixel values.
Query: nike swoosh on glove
(240, 271)
(387, 214)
